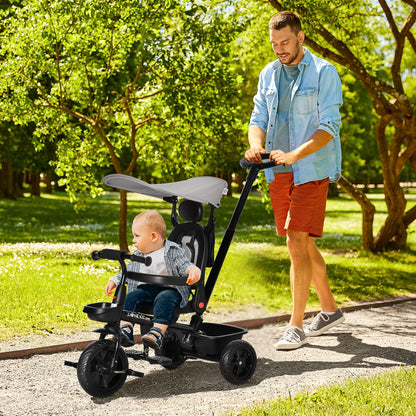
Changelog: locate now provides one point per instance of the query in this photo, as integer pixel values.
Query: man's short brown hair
(286, 18)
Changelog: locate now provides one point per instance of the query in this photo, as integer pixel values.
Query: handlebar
(245, 164)
(110, 254)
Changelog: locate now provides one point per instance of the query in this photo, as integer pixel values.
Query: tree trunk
(333, 190)
(48, 182)
(34, 183)
(18, 184)
(367, 208)
(393, 233)
(409, 216)
(122, 223)
(6, 180)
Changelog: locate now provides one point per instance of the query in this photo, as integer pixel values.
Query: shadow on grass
(369, 281)
(351, 278)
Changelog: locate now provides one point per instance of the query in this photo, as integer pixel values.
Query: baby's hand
(109, 288)
(194, 274)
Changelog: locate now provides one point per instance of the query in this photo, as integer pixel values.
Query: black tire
(238, 361)
(93, 369)
(172, 349)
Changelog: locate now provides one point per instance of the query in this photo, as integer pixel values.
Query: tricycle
(103, 366)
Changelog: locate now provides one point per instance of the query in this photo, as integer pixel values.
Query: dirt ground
(369, 342)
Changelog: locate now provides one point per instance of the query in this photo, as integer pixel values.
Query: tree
(120, 83)
(372, 40)
(360, 162)
(18, 158)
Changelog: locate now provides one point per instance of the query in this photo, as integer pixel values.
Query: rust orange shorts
(300, 207)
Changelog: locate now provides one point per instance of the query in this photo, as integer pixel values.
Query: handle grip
(107, 254)
(245, 164)
(110, 254)
(147, 261)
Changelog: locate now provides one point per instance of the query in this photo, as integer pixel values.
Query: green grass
(391, 393)
(46, 286)
(48, 275)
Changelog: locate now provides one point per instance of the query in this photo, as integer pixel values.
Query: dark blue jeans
(163, 299)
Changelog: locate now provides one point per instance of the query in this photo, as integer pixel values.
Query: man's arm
(316, 142)
(256, 138)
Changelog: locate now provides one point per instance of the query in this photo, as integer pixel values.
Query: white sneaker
(293, 338)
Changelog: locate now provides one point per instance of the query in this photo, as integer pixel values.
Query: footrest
(134, 373)
(158, 359)
(71, 364)
(136, 355)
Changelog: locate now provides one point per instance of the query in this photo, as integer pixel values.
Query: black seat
(190, 235)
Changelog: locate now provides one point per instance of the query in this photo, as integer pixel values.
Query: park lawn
(390, 393)
(48, 274)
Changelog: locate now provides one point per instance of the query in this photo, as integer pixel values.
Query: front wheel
(94, 372)
(238, 361)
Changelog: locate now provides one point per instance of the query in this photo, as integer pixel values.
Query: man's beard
(293, 57)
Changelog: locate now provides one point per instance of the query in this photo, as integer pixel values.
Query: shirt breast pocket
(305, 101)
(269, 95)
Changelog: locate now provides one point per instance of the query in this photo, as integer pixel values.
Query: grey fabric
(205, 189)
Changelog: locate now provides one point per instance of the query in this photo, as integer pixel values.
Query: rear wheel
(238, 361)
(93, 369)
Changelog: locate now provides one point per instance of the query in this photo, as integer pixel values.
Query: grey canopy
(205, 189)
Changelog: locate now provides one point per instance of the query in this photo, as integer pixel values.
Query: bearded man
(296, 119)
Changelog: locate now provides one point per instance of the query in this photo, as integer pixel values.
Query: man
(296, 115)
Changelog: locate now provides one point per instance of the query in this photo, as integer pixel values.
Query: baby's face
(142, 236)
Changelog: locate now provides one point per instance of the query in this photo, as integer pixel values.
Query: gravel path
(369, 342)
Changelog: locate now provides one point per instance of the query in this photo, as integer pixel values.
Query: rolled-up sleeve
(330, 100)
(260, 116)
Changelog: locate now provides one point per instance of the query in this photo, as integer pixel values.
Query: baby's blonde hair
(154, 220)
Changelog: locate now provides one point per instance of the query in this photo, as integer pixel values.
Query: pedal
(134, 373)
(136, 355)
(158, 359)
(71, 364)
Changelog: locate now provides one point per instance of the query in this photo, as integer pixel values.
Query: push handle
(110, 254)
(245, 164)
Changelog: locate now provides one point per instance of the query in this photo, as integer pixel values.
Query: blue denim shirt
(316, 99)
(177, 264)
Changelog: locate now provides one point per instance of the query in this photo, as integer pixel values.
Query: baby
(149, 237)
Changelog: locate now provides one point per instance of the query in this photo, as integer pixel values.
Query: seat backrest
(193, 212)
(192, 237)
